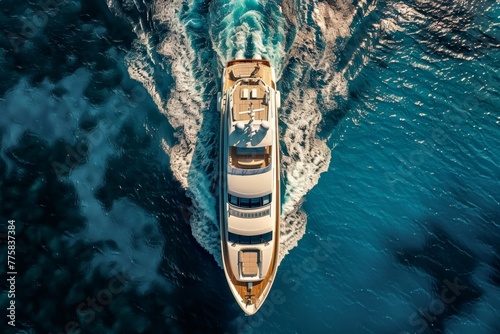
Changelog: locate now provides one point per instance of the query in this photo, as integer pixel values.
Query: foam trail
(184, 105)
(319, 28)
(187, 107)
(248, 29)
(188, 110)
(241, 29)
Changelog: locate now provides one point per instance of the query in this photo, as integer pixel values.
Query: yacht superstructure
(249, 196)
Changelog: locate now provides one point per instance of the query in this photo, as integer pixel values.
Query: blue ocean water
(389, 127)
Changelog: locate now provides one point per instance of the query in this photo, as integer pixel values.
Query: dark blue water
(389, 127)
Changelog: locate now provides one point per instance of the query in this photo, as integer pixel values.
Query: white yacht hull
(249, 176)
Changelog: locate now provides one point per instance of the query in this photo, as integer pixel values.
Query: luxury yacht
(249, 193)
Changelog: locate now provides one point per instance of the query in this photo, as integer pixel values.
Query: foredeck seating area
(250, 158)
(245, 70)
(248, 69)
(249, 262)
(246, 94)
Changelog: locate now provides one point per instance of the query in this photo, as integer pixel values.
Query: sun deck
(240, 69)
(247, 96)
(250, 93)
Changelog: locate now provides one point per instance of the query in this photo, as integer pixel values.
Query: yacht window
(254, 239)
(233, 237)
(266, 199)
(244, 239)
(233, 200)
(245, 202)
(249, 202)
(266, 237)
(255, 202)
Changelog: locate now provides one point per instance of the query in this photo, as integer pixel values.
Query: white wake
(189, 105)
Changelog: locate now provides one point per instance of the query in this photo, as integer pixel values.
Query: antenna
(251, 111)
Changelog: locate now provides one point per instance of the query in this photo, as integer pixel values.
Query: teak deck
(243, 104)
(243, 68)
